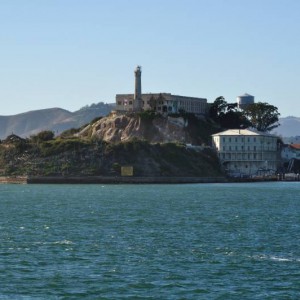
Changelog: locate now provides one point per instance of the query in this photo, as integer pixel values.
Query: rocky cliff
(155, 129)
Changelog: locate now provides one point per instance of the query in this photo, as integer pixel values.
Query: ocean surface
(191, 241)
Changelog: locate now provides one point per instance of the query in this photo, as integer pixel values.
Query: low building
(245, 152)
(163, 103)
(290, 151)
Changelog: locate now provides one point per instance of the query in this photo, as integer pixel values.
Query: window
(130, 102)
(119, 102)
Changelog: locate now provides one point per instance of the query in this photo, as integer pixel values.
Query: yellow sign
(127, 171)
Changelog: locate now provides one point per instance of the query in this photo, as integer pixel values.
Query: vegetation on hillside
(44, 155)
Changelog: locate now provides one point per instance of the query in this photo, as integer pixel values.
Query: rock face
(119, 128)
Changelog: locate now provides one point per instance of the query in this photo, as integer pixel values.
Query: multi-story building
(163, 103)
(247, 152)
(159, 102)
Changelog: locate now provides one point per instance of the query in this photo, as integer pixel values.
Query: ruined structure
(164, 103)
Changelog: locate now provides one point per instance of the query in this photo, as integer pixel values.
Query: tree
(227, 115)
(217, 108)
(263, 116)
(43, 136)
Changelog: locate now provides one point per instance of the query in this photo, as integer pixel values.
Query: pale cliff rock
(117, 128)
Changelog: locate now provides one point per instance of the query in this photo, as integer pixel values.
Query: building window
(119, 102)
(130, 102)
(224, 148)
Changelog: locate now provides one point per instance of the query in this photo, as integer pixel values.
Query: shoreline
(123, 180)
(130, 180)
(107, 180)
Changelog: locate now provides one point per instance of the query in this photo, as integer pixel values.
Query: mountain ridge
(55, 119)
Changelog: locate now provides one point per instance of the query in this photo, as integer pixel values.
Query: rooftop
(242, 132)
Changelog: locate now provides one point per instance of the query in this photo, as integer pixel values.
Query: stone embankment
(18, 179)
(121, 180)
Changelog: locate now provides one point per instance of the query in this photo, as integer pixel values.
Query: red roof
(295, 146)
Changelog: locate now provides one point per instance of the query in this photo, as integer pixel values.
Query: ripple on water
(219, 241)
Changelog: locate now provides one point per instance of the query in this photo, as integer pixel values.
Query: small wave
(63, 242)
(275, 258)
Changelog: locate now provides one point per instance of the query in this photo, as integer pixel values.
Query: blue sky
(70, 53)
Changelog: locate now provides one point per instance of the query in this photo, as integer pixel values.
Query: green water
(195, 241)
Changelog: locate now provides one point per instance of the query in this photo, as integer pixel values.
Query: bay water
(191, 241)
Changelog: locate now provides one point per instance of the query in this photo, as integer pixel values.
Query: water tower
(245, 100)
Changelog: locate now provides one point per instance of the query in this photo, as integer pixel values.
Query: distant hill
(55, 119)
(289, 127)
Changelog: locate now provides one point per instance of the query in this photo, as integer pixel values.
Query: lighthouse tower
(138, 102)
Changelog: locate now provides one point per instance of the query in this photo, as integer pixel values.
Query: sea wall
(125, 180)
(17, 179)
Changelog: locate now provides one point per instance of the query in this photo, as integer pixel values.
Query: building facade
(290, 151)
(159, 102)
(163, 103)
(245, 152)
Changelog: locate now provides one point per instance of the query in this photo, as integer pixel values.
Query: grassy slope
(90, 157)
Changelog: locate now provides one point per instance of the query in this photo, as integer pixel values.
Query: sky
(72, 53)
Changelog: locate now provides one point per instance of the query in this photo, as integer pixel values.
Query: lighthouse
(138, 102)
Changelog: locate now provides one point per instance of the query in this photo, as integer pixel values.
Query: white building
(246, 152)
